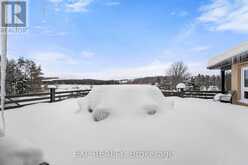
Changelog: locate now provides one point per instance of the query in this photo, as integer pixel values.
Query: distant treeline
(163, 81)
(179, 73)
(195, 81)
(25, 76)
(82, 82)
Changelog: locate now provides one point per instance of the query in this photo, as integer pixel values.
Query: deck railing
(17, 101)
(53, 96)
(192, 94)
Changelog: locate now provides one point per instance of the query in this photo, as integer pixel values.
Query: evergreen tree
(23, 76)
(36, 79)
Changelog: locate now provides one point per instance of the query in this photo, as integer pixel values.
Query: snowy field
(72, 87)
(191, 131)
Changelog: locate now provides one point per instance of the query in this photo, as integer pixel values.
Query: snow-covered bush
(181, 86)
(14, 152)
(218, 96)
(213, 88)
(124, 100)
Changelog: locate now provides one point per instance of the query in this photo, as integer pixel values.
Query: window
(246, 78)
(246, 95)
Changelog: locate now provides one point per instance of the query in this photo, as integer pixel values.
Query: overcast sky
(128, 38)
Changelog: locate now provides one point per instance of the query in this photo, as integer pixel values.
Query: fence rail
(192, 94)
(52, 96)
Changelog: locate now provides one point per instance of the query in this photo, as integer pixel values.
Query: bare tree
(178, 73)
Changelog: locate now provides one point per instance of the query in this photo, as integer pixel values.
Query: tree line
(177, 73)
(25, 76)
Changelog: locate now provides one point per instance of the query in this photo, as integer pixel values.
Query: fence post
(181, 93)
(52, 94)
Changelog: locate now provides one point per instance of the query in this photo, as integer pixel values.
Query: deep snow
(133, 101)
(70, 87)
(196, 131)
(14, 151)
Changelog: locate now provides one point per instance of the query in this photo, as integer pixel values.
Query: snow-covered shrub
(213, 88)
(14, 152)
(181, 86)
(218, 96)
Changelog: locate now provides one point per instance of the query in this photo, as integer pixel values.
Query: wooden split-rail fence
(53, 96)
(17, 101)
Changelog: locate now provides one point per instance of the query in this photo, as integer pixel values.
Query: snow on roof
(237, 51)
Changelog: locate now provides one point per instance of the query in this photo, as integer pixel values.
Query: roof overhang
(235, 55)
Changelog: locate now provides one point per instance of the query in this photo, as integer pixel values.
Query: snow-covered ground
(139, 120)
(71, 87)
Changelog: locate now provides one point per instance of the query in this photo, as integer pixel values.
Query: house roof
(226, 59)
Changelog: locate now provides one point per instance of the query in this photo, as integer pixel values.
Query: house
(236, 60)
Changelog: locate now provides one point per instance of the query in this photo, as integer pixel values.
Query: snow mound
(181, 86)
(13, 153)
(222, 97)
(124, 100)
(218, 96)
